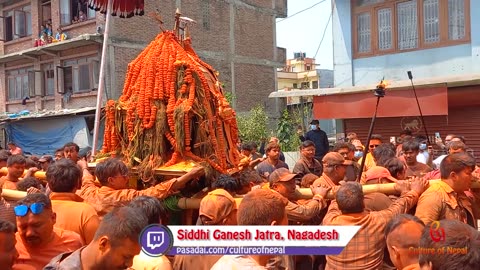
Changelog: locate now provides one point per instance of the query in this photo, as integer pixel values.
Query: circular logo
(414, 124)
(156, 240)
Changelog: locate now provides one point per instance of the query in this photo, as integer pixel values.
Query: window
(314, 84)
(305, 85)
(385, 32)
(206, 14)
(74, 11)
(18, 83)
(295, 86)
(456, 19)
(381, 26)
(407, 27)
(431, 21)
(80, 75)
(17, 23)
(48, 80)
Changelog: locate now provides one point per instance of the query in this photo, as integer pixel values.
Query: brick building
(236, 37)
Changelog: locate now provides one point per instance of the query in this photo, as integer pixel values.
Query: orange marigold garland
(164, 78)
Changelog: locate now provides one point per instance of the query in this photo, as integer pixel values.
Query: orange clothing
(326, 181)
(439, 201)
(7, 184)
(366, 249)
(6, 210)
(369, 162)
(412, 267)
(104, 199)
(36, 258)
(419, 170)
(75, 215)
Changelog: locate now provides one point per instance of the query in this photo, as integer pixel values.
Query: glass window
(84, 77)
(384, 28)
(65, 13)
(407, 25)
(431, 21)
(49, 80)
(456, 19)
(364, 32)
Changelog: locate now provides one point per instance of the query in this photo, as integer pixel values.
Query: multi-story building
(235, 37)
(301, 74)
(437, 40)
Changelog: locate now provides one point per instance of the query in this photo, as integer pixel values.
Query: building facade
(235, 37)
(437, 40)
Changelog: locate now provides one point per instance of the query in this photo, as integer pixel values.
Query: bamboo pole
(303, 193)
(39, 175)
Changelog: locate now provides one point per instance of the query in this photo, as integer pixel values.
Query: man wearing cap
(45, 161)
(217, 208)
(378, 175)
(318, 137)
(283, 182)
(334, 170)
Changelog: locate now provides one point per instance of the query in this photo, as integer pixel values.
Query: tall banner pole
(101, 81)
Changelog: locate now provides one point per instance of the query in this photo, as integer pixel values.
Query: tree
(253, 126)
(287, 132)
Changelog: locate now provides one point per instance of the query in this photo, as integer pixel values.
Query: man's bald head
(403, 232)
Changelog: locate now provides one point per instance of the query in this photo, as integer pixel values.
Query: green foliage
(287, 132)
(253, 126)
(230, 97)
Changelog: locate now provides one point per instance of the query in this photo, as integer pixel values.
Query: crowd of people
(77, 219)
(47, 36)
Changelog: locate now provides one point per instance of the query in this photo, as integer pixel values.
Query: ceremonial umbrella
(125, 9)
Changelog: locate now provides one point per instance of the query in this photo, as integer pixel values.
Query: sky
(303, 32)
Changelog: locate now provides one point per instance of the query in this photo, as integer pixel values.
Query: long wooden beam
(303, 193)
(39, 175)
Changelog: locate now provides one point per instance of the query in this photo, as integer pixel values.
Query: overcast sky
(303, 32)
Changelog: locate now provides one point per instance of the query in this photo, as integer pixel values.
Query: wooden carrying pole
(39, 175)
(302, 193)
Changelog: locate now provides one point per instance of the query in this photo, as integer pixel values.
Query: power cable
(303, 10)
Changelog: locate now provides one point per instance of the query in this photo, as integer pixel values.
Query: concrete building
(438, 41)
(236, 37)
(300, 73)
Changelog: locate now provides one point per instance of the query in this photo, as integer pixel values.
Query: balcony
(52, 49)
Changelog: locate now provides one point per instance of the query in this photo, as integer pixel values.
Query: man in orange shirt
(410, 152)
(64, 178)
(16, 167)
(258, 207)
(112, 174)
(114, 246)
(37, 240)
(366, 249)
(217, 208)
(446, 199)
(8, 252)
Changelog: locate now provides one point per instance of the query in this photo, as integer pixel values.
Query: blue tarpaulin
(43, 136)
